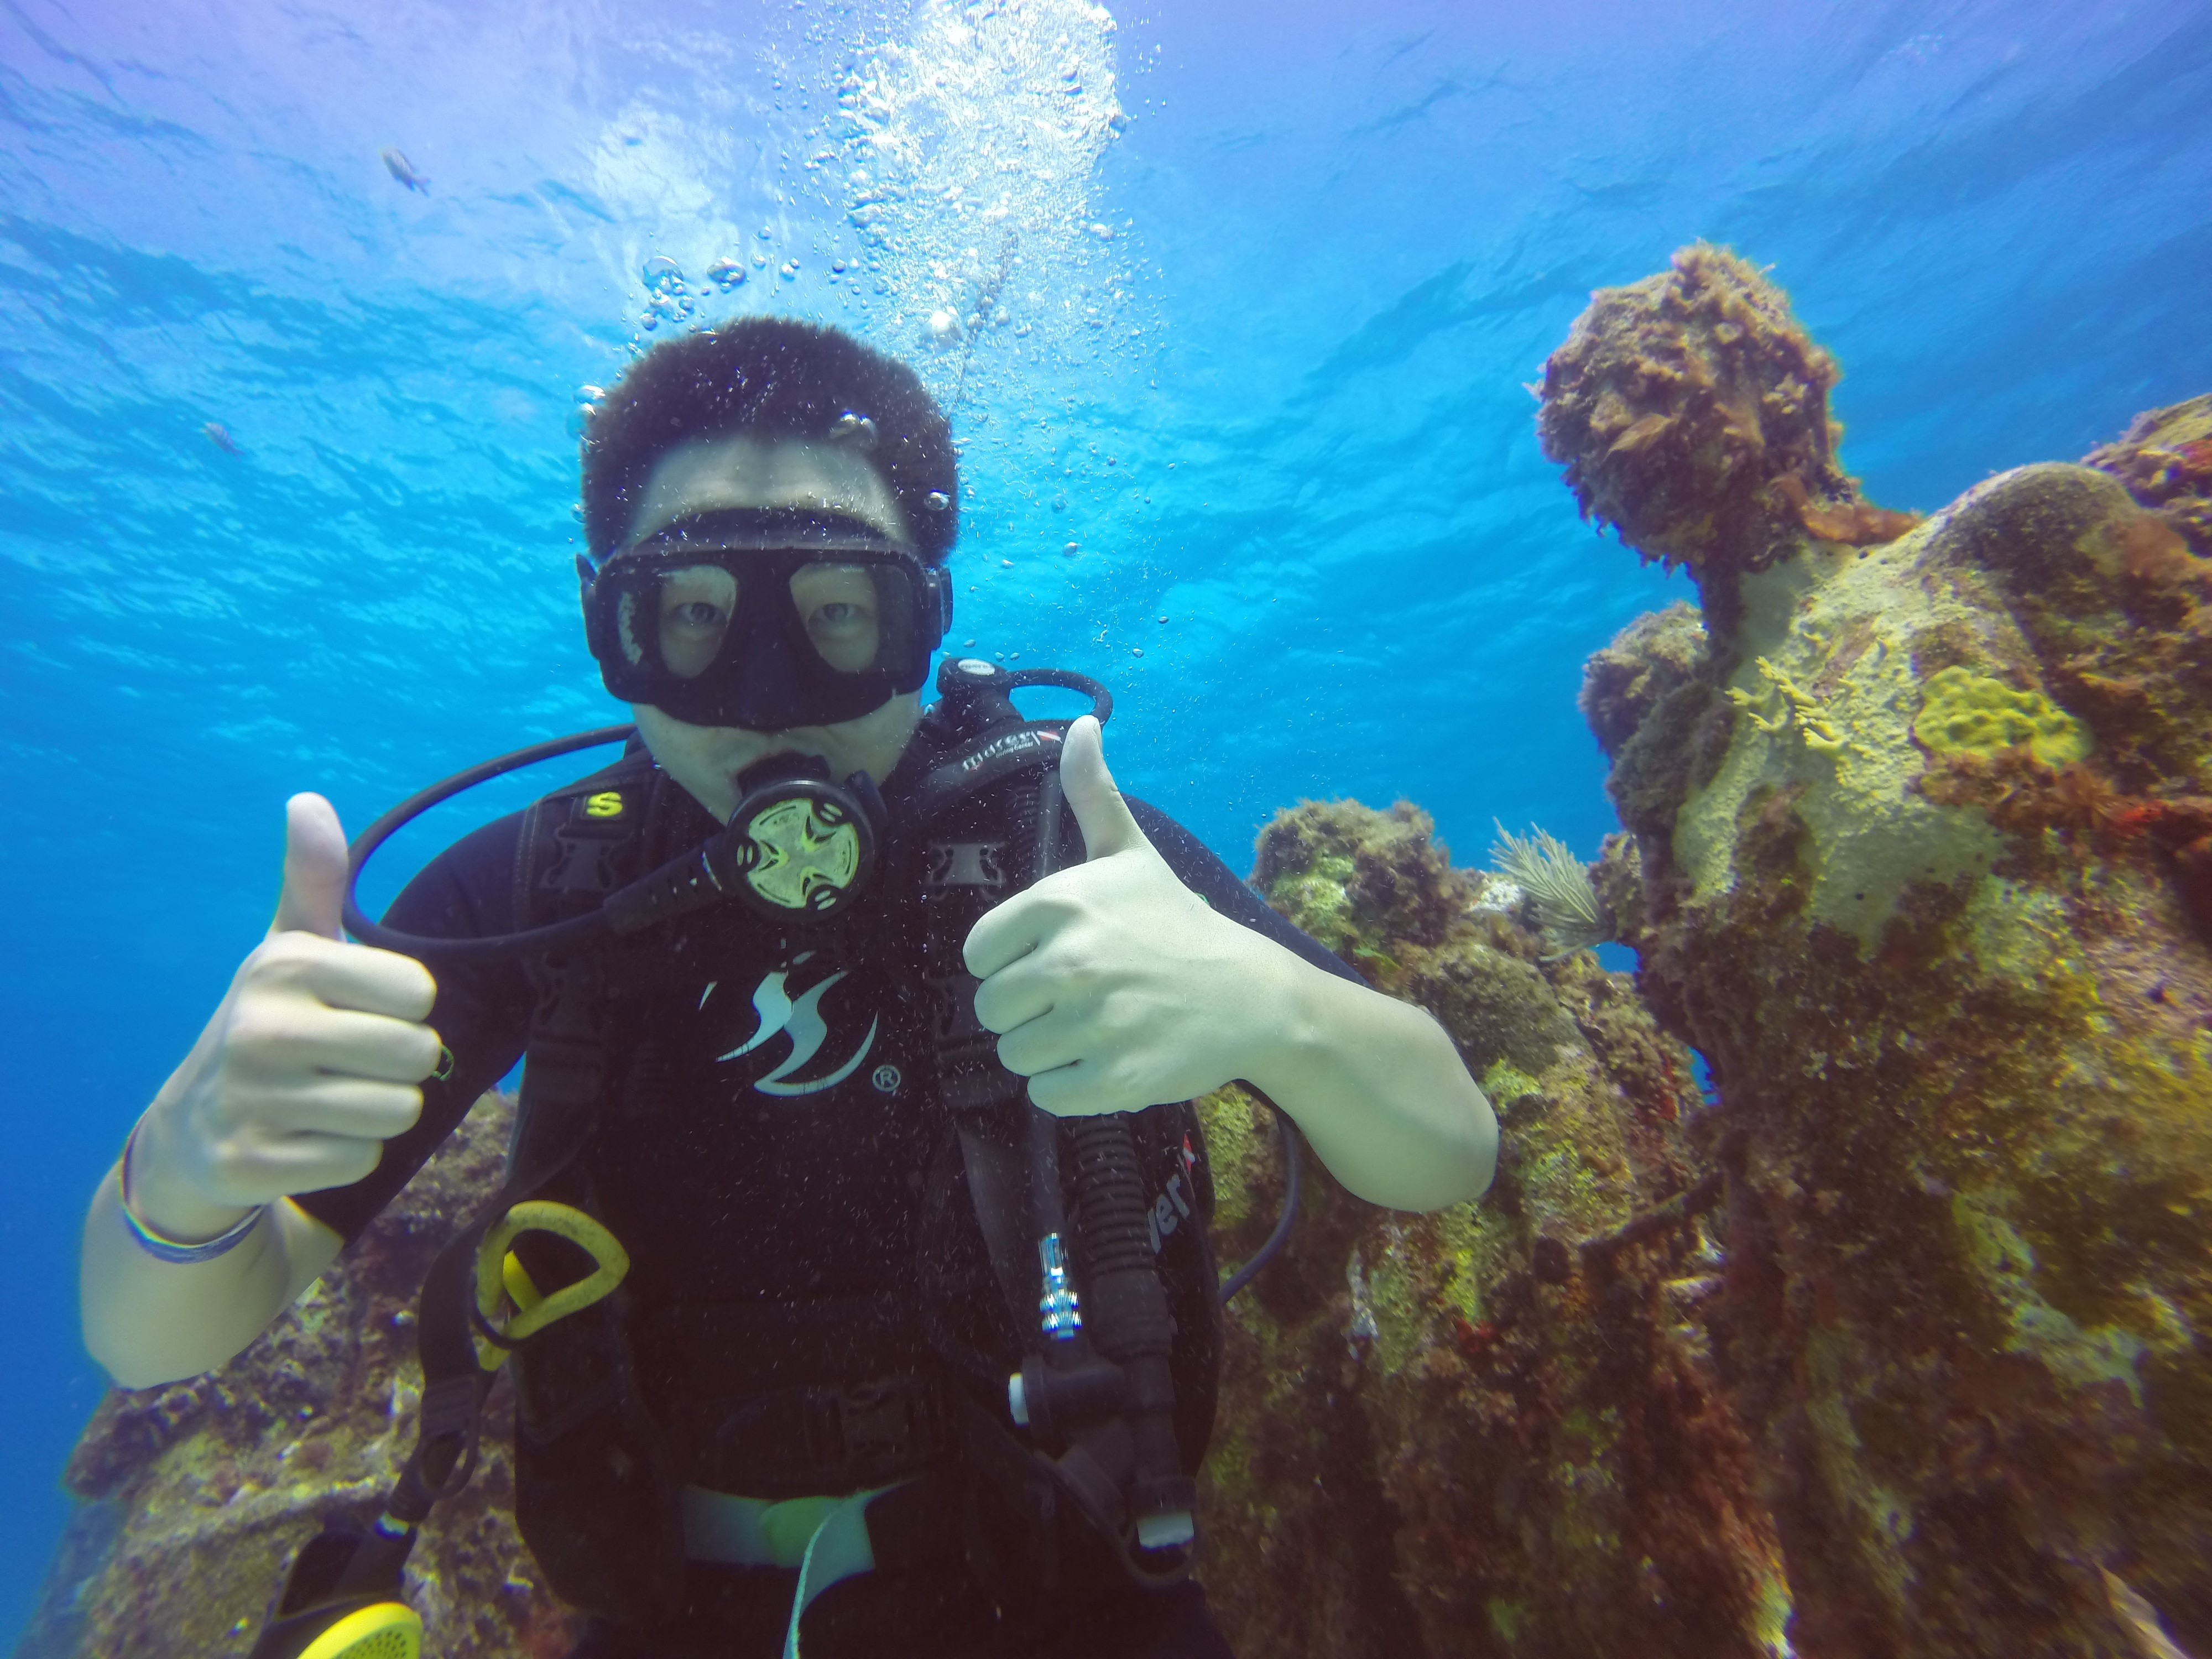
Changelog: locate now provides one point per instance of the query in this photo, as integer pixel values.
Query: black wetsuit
(768, 1179)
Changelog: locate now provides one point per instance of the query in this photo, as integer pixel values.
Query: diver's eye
(695, 606)
(841, 610)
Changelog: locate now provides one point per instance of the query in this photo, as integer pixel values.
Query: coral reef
(2165, 459)
(1496, 1429)
(1920, 859)
(196, 1495)
(1690, 413)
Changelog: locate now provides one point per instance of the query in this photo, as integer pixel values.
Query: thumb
(1100, 811)
(314, 869)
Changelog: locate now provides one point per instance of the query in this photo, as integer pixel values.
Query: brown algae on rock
(1925, 846)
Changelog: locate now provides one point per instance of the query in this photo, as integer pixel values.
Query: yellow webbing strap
(521, 1289)
(387, 1630)
(611, 1262)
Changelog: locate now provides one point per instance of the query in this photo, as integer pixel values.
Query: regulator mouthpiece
(801, 844)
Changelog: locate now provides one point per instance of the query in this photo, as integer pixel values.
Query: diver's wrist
(1286, 1040)
(157, 1207)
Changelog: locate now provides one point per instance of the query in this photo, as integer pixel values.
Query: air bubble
(937, 501)
(663, 275)
(1136, 650)
(788, 271)
(1163, 619)
(726, 273)
(1072, 547)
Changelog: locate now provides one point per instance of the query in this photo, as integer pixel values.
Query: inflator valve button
(1165, 1532)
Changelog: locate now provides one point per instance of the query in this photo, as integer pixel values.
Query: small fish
(219, 435)
(403, 170)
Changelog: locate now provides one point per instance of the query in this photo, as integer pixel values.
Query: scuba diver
(850, 1259)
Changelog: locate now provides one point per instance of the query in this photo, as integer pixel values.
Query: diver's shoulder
(466, 891)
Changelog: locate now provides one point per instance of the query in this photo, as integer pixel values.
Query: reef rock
(1496, 1429)
(2165, 459)
(1690, 412)
(196, 1495)
(1920, 860)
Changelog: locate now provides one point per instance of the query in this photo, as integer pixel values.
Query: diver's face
(723, 473)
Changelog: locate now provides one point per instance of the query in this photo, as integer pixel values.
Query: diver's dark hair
(772, 378)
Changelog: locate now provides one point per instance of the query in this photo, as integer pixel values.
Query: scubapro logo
(800, 1019)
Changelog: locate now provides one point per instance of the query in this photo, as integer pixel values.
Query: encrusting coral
(1949, 963)
(1495, 1429)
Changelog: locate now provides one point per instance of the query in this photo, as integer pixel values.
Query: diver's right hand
(311, 1064)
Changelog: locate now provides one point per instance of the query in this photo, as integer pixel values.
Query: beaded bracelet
(168, 1249)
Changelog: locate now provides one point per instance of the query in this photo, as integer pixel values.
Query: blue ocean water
(1273, 279)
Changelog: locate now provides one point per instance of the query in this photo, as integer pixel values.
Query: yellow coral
(1799, 707)
(1968, 714)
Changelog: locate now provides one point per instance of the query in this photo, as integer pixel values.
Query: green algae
(1317, 898)
(1504, 1083)
(1508, 1618)
(1238, 1149)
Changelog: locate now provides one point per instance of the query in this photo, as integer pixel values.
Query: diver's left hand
(1113, 986)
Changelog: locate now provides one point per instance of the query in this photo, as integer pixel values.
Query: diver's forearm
(1380, 1094)
(150, 1322)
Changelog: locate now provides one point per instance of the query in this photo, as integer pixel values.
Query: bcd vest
(602, 1456)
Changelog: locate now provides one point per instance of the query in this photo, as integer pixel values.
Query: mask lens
(692, 610)
(856, 616)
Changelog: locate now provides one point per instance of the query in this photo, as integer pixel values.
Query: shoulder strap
(578, 844)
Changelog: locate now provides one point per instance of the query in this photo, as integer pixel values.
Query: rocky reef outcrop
(1920, 858)
(1691, 414)
(196, 1496)
(1496, 1429)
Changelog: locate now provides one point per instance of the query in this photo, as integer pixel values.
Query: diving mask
(764, 619)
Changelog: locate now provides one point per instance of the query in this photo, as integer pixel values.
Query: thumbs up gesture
(1113, 986)
(309, 1066)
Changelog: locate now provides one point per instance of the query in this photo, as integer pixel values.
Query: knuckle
(257, 1029)
(354, 1160)
(413, 988)
(285, 958)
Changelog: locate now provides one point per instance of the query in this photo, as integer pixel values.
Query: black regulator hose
(559, 935)
(1293, 1168)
